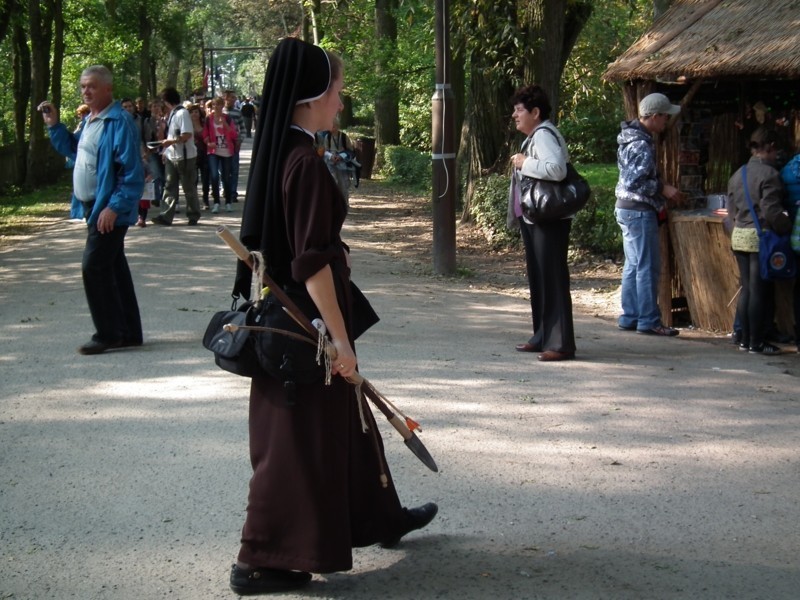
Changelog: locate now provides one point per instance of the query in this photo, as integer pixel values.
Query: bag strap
(548, 130)
(750, 201)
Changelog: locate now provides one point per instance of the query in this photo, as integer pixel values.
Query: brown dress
(315, 492)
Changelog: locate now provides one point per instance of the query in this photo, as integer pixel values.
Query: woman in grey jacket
(544, 156)
(766, 193)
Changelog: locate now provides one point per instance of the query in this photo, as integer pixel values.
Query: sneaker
(228, 208)
(659, 330)
(215, 209)
(765, 348)
(141, 222)
(744, 347)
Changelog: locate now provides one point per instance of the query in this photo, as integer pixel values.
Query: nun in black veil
(315, 493)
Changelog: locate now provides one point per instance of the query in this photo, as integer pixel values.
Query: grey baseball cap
(654, 104)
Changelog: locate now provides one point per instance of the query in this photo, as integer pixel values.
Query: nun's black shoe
(251, 582)
(416, 518)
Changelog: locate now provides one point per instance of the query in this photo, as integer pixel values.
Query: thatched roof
(714, 39)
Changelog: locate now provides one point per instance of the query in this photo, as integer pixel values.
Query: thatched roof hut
(733, 65)
(713, 39)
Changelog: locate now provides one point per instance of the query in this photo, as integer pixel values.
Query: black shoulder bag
(543, 200)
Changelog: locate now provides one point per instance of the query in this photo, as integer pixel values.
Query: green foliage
(595, 228)
(591, 109)
(349, 31)
(407, 167)
(489, 210)
(591, 139)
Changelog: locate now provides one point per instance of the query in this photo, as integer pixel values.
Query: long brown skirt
(315, 492)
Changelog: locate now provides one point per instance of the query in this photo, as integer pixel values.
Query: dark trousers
(204, 176)
(797, 311)
(109, 287)
(750, 307)
(546, 246)
(233, 179)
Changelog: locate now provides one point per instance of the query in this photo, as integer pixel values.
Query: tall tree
(511, 43)
(22, 91)
(387, 111)
(40, 29)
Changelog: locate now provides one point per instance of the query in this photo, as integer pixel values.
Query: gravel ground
(648, 468)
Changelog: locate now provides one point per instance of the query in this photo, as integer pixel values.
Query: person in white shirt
(180, 161)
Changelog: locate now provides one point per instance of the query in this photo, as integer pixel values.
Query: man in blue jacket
(641, 197)
(108, 179)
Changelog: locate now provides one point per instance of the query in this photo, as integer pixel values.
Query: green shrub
(595, 228)
(407, 167)
(591, 139)
(489, 208)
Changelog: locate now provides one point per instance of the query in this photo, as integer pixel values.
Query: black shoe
(765, 348)
(248, 582)
(192, 222)
(416, 518)
(130, 343)
(744, 347)
(627, 327)
(659, 330)
(98, 347)
(159, 220)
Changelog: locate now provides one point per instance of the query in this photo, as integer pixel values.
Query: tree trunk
(22, 93)
(554, 27)
(7, 9)
(387, 104)
(544, 21)
(40, 15)
(58, 51)
(487, 134)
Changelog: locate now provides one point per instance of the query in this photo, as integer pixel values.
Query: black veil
(297, 72)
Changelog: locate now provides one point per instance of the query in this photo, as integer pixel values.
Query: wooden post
(444, 156)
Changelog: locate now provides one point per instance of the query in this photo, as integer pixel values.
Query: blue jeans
(642, 268)
(217, 164)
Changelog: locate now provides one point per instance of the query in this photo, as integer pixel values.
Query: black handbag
(234, 351)
(543, 200)
(292, 358)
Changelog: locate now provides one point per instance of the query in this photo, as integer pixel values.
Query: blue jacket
(638, 175)
(120, 175)
(791, 179)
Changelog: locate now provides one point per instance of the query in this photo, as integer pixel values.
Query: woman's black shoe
(250, 582)
(416, 518)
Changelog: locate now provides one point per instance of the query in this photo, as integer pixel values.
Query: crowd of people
(185, 144)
